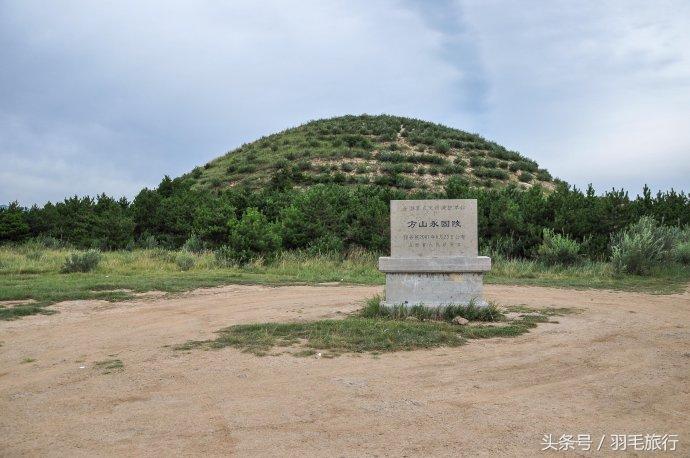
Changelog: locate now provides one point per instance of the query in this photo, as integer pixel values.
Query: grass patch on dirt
(12, 312)
(372, 330)
(109, 365)
(349, 335)
(545, 311)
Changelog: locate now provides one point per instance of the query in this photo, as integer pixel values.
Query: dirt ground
(619, 367)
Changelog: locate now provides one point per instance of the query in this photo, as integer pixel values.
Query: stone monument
(434, 256)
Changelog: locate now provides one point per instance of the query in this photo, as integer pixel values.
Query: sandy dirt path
(622, 366)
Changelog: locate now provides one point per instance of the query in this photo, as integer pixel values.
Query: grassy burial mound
(385, 150)
(261, 214)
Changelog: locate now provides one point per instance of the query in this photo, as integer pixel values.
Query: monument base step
(434, 289)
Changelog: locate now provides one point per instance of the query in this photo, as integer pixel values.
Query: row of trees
(330, 217)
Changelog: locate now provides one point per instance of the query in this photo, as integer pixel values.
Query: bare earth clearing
(619, 367)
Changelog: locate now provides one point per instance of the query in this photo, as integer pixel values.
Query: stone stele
(434, 256)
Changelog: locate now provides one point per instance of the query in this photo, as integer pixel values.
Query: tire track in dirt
(620, 366)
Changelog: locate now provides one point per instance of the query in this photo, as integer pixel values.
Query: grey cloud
(110, 97)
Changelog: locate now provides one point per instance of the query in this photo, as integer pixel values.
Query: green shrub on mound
(318, 152)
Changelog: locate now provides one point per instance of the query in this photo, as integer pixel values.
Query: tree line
(330, 217)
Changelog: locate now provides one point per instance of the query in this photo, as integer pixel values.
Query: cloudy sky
(109, 96)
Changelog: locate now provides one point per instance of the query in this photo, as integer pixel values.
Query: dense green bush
(639, 248)
(525, 177)
(670, 237)
(326, 244)
(81, 262)
(558, 249)
(13, 224)
(252, 236)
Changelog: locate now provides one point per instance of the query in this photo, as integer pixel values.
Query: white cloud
(181, 82)
(597, 92)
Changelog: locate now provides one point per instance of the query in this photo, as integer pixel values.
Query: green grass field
(30, 273)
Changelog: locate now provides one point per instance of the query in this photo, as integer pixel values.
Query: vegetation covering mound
(384, 150)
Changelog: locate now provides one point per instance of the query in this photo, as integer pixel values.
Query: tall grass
(26, 273)
(375, 309)
(664, 279)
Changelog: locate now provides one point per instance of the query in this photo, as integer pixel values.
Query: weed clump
(641, 247)
(375, 309)
(35, 255)
(194, 244)
(682, 253)
(81, 262)
(225, 257)
(185, 260)
(49, 242)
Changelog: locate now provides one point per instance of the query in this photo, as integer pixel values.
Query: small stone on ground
(460, 320)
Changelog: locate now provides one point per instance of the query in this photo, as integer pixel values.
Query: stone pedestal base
(434, 282)
(434, 289)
